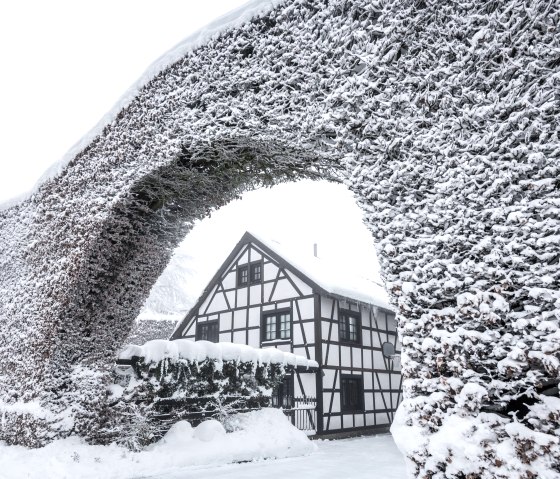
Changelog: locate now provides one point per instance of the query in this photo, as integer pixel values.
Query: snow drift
(254, 436)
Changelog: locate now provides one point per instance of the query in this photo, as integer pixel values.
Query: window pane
(343, 328)
(207, 332)
(242, 275)
(256, 272)
(213, 332)
(352, 329)
(349, 328)
(270, 327)
(284, 326)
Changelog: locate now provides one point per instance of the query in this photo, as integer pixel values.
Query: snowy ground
(263, 444)
(373, 457)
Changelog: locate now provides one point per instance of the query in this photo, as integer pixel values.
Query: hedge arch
(442, 117)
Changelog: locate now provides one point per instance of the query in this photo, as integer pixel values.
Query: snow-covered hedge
(442, 117)
(196, 380)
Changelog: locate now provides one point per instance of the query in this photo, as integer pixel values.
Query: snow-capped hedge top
(157, 350)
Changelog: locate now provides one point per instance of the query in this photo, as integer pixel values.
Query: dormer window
(249, 274)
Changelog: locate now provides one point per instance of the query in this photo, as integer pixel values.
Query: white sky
(66, 63)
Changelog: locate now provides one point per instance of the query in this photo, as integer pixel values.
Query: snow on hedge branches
(441, 116)
(198, 351)
(191, 380)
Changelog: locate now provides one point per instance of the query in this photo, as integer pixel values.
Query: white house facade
(262, 297)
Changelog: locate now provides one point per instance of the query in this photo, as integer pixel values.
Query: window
(283, 394)
(352, 391)
(207, 331)
(349, 326)
(242, 275)
(276, 325)
(249, 273)
(256, 272)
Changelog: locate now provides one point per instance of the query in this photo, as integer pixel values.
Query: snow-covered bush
(442, 117)
(195, 380)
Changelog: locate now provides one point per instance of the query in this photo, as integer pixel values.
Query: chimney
(315, 250)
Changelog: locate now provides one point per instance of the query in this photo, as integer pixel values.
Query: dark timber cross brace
(442, 117)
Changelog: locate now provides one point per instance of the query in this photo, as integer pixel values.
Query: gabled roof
(322, 276)
(326, 277)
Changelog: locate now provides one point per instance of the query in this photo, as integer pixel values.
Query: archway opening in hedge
(307, 218)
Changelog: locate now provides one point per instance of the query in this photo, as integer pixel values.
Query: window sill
(276, 341)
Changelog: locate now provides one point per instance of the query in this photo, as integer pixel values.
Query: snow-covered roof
(333, 278)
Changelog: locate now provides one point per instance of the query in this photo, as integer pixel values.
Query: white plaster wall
(255, 294)
(255, 338)
(308, 383)
(284, 290)
(332, 360)
(306, 308)
(378, 361)
(381, 418)
(335, 422)
(336, 402)
(239, 337)
(326, 307)
(255, 254)
(204, 304)
(218, 303)
(229, 281)
(379, 404)
(268, 307)
(270, 272)
(357, 357)
(303, 287)
(309, 329)
(244, 258)
(345, 356)
(328, 379)
(368, 400)
(241, 297)
(240, 319)
(367, 359)
(267, 289)
(254, 317)
(358, 420)
(231, 298)
(298, 337)
(383, 380)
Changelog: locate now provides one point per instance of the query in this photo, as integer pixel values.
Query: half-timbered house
(264, 296)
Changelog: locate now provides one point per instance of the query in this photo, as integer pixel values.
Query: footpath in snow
(371, 457)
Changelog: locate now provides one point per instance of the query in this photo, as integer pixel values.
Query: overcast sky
(66, 63)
